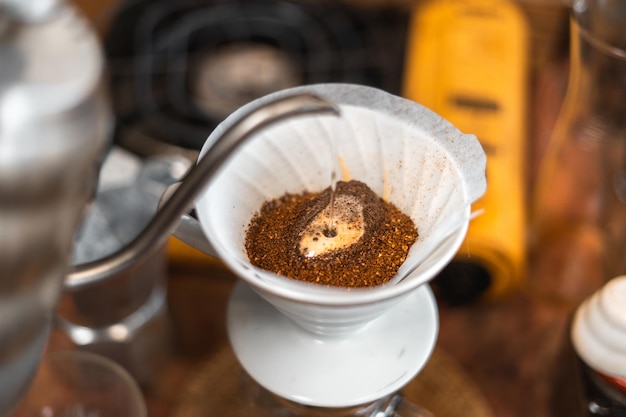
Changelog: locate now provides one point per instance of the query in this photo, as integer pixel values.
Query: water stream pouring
(329, 346)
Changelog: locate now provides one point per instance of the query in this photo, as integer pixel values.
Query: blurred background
(496, 68)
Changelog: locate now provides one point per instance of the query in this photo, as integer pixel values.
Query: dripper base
(308, 369)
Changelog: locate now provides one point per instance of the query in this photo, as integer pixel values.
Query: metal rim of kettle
(180, 201)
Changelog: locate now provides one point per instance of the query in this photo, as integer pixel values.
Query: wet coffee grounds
(274, 235)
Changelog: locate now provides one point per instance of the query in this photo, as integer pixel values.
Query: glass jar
(578, 231)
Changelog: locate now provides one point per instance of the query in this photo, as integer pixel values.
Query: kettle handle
(169, 214)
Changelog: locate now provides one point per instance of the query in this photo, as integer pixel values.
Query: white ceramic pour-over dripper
(406, 154)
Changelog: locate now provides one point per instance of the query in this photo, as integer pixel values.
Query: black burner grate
(178, 68)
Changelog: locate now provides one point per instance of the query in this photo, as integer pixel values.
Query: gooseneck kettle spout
(169, 214)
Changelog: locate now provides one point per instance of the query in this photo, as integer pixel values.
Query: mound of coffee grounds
(363, 246)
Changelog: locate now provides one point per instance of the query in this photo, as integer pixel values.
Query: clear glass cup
(236, 394)
(264, 403)
(579, 208)
(81, 384)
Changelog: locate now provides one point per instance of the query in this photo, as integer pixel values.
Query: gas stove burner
(177, 69)
(237, 73)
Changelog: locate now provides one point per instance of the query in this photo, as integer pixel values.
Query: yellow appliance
(467, 60)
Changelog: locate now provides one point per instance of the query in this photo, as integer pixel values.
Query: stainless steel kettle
(54, 124)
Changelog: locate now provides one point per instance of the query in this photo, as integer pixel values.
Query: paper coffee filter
(404, 152)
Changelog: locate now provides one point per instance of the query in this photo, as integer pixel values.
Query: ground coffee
(363, 245)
